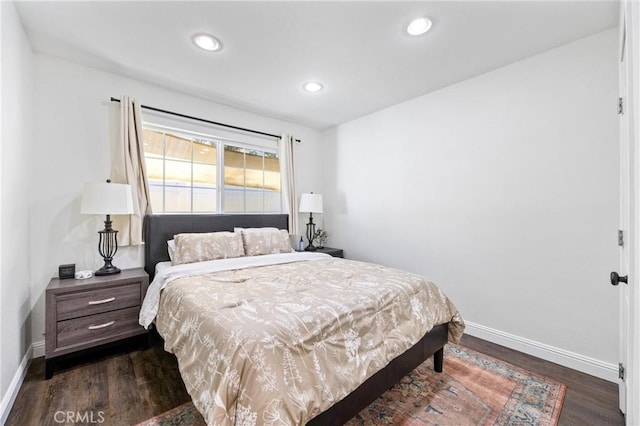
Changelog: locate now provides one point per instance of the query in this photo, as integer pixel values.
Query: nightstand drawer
(83, 303)
(94, 328)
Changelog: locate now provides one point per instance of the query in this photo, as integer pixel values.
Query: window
(192, 173)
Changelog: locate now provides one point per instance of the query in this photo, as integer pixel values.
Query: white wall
(503, 189)
(15, 176)
(76, 129)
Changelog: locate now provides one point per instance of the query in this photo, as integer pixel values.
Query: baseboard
(38, 349)
(10, 396)
(585, 364)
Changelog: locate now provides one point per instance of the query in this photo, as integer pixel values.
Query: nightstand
(82, 314)
(332, 251)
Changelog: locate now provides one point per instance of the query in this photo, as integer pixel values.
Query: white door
(620, 277)
(630, 210)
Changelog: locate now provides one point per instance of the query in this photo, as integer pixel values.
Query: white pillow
(171, 248)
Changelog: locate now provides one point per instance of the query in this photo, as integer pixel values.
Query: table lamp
(107, 199)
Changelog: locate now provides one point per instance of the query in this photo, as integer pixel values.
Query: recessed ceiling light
(206, 42)
(419, 26)
(312, 86)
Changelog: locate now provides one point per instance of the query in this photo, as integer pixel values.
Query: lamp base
(107, 270)
(311, 232)
(107, 247)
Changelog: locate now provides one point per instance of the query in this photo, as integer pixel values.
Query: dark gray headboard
(159, 228)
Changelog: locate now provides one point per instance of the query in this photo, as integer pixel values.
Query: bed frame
(158, 229)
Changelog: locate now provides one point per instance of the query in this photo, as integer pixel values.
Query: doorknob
(615, 279)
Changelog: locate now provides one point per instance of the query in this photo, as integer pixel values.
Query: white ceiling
(358, 50)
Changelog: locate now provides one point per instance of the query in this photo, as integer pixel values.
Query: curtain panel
(287, 176)
(129, 167)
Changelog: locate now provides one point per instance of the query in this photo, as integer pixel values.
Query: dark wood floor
(124, 387)
(589, 400)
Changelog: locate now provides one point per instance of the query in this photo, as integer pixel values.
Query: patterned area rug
(474, 389)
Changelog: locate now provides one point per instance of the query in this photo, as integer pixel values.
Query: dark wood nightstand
(82, 314)
(332, 251)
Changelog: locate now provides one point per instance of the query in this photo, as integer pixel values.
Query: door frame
(626, 248)
(633, 110)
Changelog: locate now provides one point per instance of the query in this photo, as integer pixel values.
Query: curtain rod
(177, 114)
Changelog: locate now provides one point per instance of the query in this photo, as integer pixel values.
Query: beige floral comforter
(279, 344)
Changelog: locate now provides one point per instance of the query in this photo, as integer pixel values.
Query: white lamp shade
(310, 203)
(106, 198)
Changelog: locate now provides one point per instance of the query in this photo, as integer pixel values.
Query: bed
(158, 229)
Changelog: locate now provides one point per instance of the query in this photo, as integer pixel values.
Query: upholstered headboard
(159, 228)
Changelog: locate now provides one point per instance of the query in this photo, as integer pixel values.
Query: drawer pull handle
(100, 302)
(106, 324)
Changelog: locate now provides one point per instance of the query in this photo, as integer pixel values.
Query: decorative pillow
(207, 246)
(258, 241)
